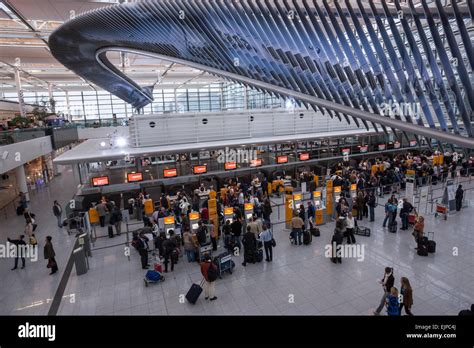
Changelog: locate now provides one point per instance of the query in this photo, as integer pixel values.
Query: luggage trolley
(224, 263)
(441, 209)
(205, 249)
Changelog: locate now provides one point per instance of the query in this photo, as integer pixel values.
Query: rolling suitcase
(431, 244)
(307, 238)
(315, 231)
(259, 255)
(422, 250)
(194, 293)
(110, 230)
(392, 227)
(20, 210)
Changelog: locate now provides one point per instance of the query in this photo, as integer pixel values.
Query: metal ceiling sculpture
(350, 59)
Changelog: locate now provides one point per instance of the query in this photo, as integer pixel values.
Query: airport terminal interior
(252, 157)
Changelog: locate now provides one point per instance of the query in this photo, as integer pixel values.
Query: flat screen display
(200, 169)
(134, 177)
(396, 145)
(282, 159)
(346, 152)
(194, 226)
(412, 143)
(249, 216)
(100, 181)
(170, 173)
(304, 156)
(230, 165)
(364, 149)
(381, 147)
(256, 162)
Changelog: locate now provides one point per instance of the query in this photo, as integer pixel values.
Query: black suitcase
(307, 238)
(315, 231)
(194, 293)
(259, 255)
(362, 231)
(20, 210)
(110, 230)
(422, 250)
(392, 227)
(431, 244)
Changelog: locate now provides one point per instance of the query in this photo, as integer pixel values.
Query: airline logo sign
(100, 181)
(248, 207)
(256, 162)
(169, 220)
(364, 149)
(396, 145)
(170, 173)
(412, 143)
(381, 147)
(228, 211)
(134, 177)
(304, 156)
(230, 165)
(282, 159)
(193, 216)
(200, 169)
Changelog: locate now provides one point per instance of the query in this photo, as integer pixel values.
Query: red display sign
(200, 169)
(304, 156)
(346, 152)
(134, 177)
(170, 173)
(396, 145)
(100, 181)
(282, 159)
(364, 149)
(230, 165)
(256, 162)
(412, 143)
(381, 147)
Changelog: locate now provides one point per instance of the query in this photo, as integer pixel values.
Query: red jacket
(204, 268)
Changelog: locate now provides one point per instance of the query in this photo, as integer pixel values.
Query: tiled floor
(300, 280)
(30, 291)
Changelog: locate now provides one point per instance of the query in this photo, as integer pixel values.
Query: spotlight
(102, 143)
(121, 142)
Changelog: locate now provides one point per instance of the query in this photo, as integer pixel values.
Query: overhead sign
(200, 169)
(382, 147)
(304, 156)
(337, 189)
(346, 152)
(100, 181)
(134, 177)
(412, 143)
(396, 145)
(248, 206)
(364, 149)
(282, 159)
(228, 211)
(230, 165)
(170, 173)
(256, 162)
(193, 216)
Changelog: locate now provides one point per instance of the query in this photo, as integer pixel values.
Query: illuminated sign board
(364, 149)
(134, 177)
(200, 169)
(412, 143)
(304, 156)
(381, 147)
(346, 152)
(256, 162)
(170, 173)
(230, 165)
(396, 145)
(282, 159)
(100, 181)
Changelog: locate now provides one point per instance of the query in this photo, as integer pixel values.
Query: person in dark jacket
(249, 242)
(267, 211)
(407, 208)
(372, 203)
(311, 211)
(49, 255)
(387, 284)
(142, 247)
(159, 244)
(116, 219)
(236, 227)
(169, 248)
(58, 211)
(407, 294)
(467, 312)
(20, 250)
(459, 196)
(336, 241)
(201, 234)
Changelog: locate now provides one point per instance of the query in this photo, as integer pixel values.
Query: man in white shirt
(350, 225)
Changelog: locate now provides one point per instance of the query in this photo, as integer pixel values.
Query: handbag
(51, 264)
(273, 241)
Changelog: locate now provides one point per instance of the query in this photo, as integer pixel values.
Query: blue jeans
(297, 234)
(405, 221)
(190, 254)
(387, 217)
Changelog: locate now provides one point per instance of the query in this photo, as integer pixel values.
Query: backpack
(212, 273)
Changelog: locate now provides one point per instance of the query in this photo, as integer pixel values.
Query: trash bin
(80, 261)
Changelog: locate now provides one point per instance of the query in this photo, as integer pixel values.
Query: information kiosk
(319, 207)
(169, 225)
(193, 221)
(297, 199)
(248, 209)
(228, 214)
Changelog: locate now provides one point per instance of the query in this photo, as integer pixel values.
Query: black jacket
(459, 194)
(236, 227)
(388, 286)
(169, 245)
(406, 208)
(249, 241)
(202, 235)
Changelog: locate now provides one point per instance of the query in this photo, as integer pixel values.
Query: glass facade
(101, 105)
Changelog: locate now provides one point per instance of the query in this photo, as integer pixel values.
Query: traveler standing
(407, 208)
(58, 211)
(250, 247)
(49, 255)
(266, 237)
(209, 272)
(236, 227)
(189, 246)
(116, 219)
(311, 212)
(336, 241)
(169, 247)
(143, 250)
(297, 228)
(302, 215)
(407, 296)
(102, 211)
(459, 196)
(372, 203)
(226, 231)
(29, 227)
(267, 211)
(387, 284)
(201, 234)
(23, 202)
(360, 203)
(20, 245)
(350, 225)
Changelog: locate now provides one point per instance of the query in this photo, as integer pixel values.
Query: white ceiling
(39, 67)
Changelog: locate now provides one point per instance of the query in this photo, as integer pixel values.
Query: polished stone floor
(300, 280)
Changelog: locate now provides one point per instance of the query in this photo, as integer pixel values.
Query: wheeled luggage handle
(432, 233)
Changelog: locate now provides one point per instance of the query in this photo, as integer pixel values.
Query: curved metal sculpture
(296, 48)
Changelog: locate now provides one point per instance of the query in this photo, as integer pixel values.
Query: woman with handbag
(49, 255)
(418, 230)
(268, 242)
